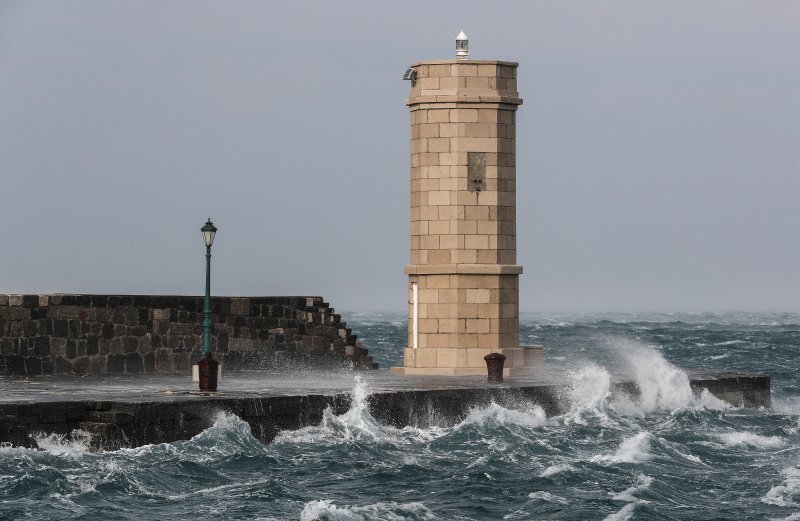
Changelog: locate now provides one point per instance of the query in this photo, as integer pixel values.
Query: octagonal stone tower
(463, 288)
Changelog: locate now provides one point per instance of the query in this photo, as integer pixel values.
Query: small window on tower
(476, 171)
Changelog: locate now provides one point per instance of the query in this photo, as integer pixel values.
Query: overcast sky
(658, 147)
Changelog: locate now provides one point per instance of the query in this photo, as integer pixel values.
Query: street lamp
(209, 231)
(208, 367)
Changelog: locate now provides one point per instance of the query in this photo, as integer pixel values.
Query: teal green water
(670, 455)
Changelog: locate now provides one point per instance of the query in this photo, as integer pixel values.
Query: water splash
(662, 386)
(74, 444)
(589, 387)
(708, 401)
(357, 424)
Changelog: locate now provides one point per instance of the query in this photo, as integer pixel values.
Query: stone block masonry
(463, 276)
(83, 334)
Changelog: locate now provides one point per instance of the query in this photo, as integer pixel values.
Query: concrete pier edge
(132, 422)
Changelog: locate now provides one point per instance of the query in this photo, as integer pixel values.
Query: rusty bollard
(494, 366)
(208, 369)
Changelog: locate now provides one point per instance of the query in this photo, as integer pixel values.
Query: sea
(669, 455)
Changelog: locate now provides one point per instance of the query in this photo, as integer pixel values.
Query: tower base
(520, 361)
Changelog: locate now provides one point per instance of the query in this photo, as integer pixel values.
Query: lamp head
(209, 230)
(462, 46)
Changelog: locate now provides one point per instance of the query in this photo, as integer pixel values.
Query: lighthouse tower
(463, 276)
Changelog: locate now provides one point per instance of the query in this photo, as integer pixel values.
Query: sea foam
(552, 470)
(750, 439)
(531, 417)
(326, 510)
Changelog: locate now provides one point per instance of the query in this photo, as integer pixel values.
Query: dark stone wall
(81, 334)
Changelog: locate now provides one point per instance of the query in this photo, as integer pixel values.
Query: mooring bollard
(209, 370)
(494, 366)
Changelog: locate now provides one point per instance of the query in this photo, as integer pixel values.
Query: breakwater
(94, 334)
(134, 412)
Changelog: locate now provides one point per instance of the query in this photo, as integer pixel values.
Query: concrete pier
(133, 411)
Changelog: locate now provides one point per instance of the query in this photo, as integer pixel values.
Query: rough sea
(669, 455)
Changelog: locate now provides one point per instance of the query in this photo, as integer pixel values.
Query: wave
(552, 470)
(492, 415)
(624, 514)
(326, 510)
(785, 494)
(739, 439)
(789, 406)
(633, 449)
(541, 495)
(643, 482)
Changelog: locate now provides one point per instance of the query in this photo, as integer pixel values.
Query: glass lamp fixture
(462, 46)
(209, 230)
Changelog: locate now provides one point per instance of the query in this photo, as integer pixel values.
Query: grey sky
(658, 147)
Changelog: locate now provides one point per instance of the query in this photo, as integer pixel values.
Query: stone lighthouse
(463, 278)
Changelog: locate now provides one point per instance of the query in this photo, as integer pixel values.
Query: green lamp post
(208, 367)
(209, 230)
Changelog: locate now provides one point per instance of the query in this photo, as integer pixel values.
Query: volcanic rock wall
(81, 334)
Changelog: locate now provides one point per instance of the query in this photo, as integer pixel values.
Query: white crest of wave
(74, 444)
(738, 439)
(531, 417)
(784, 494)
(624, 513)
(789, 406)
(546, 496)
(326, 510)
(643, 482)
(632, 450)
(227, 421)
(226, 424)
(790, 517)
(556, 469)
